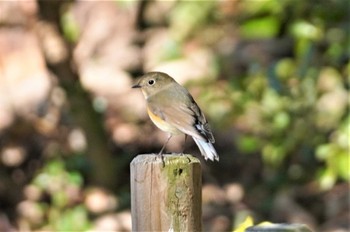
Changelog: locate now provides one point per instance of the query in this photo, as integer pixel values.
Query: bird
(172, 109)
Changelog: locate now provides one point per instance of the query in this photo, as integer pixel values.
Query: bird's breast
(162, 124)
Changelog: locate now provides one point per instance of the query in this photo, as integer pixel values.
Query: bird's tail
(207, 149)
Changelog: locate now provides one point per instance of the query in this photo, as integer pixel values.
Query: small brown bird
(172, 108)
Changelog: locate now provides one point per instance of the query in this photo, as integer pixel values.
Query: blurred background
(271, 76)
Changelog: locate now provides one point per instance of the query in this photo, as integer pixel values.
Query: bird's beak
(136, 86)
(138, 83)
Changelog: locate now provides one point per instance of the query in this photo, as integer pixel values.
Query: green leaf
(342, 165)
(326, 179)
(188, 16)
(281, 120)
(324, 151)
(273, 154)
(306, 30)
(260, 28)
(285, 68)
(75, 219)
(248, 222)
(69, 26)
(248, 144)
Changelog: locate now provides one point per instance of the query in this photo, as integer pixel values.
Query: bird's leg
(166, 142)
(161, 151)
(184, 147)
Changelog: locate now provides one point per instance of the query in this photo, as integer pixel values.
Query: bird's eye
(151, 82)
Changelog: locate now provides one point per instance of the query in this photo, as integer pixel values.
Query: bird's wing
(188, 119)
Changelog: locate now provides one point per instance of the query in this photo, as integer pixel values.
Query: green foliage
(63, 212)
(248, 144)
(69, 26)
(189, 16)
(294, 110)
(248, 222)
(256, 8)
(72, 219)
(260, 28)
(335, 154)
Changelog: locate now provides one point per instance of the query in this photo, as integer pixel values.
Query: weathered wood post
(166, 198)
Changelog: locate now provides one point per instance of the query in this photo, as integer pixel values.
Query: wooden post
(166, 198)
